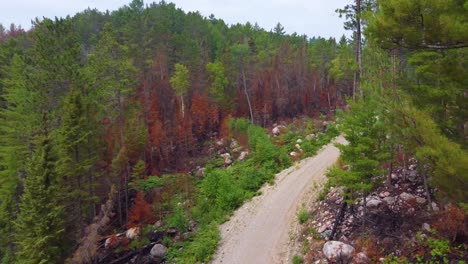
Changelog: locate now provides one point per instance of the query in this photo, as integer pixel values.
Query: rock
(394, 176)
(219, 143)
(158, 251)
(227, 162)
(133, 233)
(361, 258)
(389, 200)
(298, 147)
(373, 203)
(278, 130)
(237, 150)
(299, 141)
(310, 137)
(426, 227)
(243, 155)
(326, 234)
(158, 224)
(434, 207)
(200, 172)
(322, 229)
(406, 196)
(420, 200)
(275, 131)
(234, 144)
(412, 167)
(294, 154)
(384, 194)
(225, 155)
(338, 251)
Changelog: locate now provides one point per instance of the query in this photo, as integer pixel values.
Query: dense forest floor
(397, 223)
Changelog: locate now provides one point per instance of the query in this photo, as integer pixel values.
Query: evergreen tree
(40, 224)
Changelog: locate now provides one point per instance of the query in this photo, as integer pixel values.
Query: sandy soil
(263, 229)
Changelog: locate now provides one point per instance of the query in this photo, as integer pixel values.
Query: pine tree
(40, 225)
(18, 123)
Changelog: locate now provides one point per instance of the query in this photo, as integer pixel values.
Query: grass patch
(302, 216)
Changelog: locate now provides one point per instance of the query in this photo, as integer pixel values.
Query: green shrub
(200, 249)
(297, 260)
(302, 215)
(178, 219)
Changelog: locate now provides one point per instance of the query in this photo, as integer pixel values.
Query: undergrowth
(223, 190)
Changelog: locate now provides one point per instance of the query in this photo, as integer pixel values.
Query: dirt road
(259, 231)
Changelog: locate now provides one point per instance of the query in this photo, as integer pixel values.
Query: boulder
(227, 162)
(434, 207)
(278, 130)
(132, 233)
(361, 258)
(373, 203)
(299, 141)
(158, 251)
(243, 155)
(310, 137)
(275, 131)
(384, 194)
(406, 196)
(200, 172)
(337, 251)
(294, 154)
(389, 200)
(426, 227)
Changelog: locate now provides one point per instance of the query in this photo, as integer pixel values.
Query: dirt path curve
(259, 231)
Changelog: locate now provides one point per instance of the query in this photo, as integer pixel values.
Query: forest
(107, 118)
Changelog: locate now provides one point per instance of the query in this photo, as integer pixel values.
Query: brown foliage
(452, 223)
(141, 212)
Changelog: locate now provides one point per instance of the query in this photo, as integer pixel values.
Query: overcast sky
(310, 17)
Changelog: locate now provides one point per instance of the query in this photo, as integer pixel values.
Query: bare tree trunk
(247, 95)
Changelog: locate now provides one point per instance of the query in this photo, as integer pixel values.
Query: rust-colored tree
(141, 212)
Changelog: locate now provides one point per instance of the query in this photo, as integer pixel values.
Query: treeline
(84, 99)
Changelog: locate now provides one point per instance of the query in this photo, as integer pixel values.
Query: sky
(310, 17)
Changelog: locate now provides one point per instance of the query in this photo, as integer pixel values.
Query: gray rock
(337, 251)
(394, 176)
(389, 200)
(384, 194)
(310, 137)
(326, 234)
(373, 203)
(158, 251)
(322, 229)
(426, 227)
(406, 196)
(434, 207)
(361, 258)
(243, 155)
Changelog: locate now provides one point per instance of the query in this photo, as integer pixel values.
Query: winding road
(260, 231)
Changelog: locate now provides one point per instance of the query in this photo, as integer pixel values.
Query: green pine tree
(41, 220)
